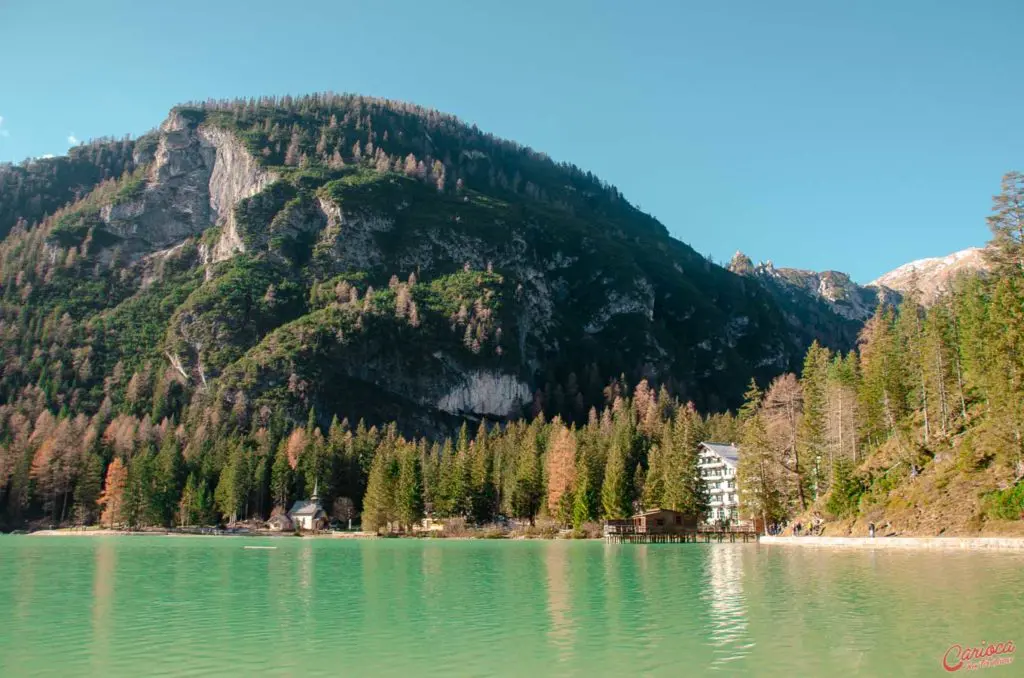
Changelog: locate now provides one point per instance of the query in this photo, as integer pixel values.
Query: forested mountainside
(919, 431)
(282, 293)
(259, 260)
(38, 187)
(296, 253)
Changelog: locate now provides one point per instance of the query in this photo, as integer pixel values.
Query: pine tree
(167, 477)
(756, 475)
(484, 501)
(137, 507)
(561, 471)
(232, 493)
(909, 349)
(1006, 250)
(883, 385)
(281, 476)
(409, 488)
(186, 505)
(88, 488)
(615, 495)
(527, 489)
(654, 483)
(378, 510)
(684, 490)
(582, 501)
(813, 424)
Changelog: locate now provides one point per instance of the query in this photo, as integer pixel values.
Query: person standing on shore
(871, 530)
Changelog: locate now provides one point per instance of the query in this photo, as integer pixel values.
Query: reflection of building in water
(729, 636)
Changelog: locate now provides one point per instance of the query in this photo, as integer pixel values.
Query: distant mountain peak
(741, 264)
(931, 276)
(834, 289)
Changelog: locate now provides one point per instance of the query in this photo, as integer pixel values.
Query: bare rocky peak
(932, 276)
(845, 297)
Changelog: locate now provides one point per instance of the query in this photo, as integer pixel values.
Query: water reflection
(102, 604)
(728, 635)
(150, 606)
(561, 633)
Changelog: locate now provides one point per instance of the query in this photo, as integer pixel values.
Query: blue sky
(848, 136)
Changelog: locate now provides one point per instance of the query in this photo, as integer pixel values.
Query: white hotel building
(716, 465)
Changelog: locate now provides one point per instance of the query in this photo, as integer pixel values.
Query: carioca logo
(957, 656)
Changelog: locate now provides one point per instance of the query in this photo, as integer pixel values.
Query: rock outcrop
(833, 288)
(197, 177)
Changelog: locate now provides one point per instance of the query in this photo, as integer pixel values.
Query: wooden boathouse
(663, 526)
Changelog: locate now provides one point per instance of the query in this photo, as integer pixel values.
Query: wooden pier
(626, 536)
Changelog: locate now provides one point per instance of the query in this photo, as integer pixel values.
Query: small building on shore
(280, 522)
(308, 514)
(654, 521)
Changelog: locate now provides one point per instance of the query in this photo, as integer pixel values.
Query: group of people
(816, 524)
(776, 529)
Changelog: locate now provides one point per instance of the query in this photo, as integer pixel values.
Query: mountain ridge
(931, 276)
(302, 251)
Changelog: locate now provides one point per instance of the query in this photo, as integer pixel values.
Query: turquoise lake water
(195, 606)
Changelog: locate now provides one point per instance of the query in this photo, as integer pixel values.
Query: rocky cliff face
(196, 177)
(932, 277)
(834, 288)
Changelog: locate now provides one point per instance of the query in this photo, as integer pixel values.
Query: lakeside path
(964, 543)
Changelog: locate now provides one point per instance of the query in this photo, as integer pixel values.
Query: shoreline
(958, 543)
(283, 535)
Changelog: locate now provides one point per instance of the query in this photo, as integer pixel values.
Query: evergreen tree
(527, 485)
(167, 478)
(484, 500)
(654, 483)
(409, 488)
(281, 477)
(232, 493)
(378, 509)
(88, 489)
(1006, 250)
(813, 423)
(684, 490)
(756, 476)
(616, 501)
(883, 393)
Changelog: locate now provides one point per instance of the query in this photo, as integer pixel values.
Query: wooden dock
(620, 536)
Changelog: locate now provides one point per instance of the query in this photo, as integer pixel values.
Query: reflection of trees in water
(562, 631)
(729, 633)
(102, 604)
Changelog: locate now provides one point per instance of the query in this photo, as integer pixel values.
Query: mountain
(827, 303)
(933, 276)
(375, 259)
